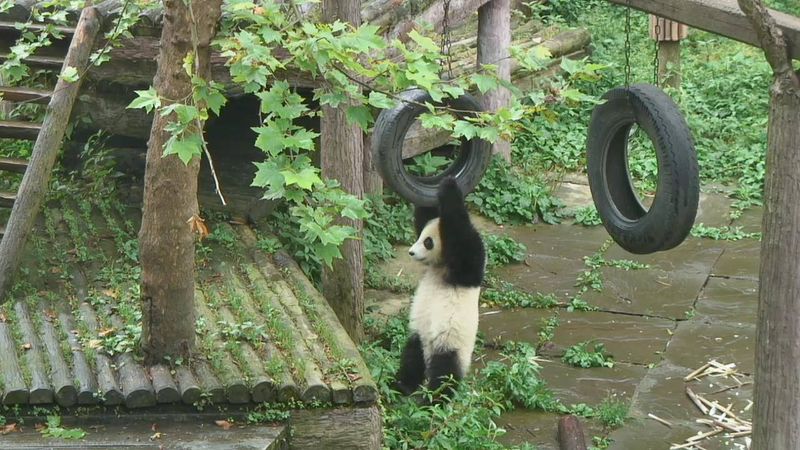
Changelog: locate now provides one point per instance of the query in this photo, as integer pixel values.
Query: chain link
(628, 44)
(446, 43)
(657, 46)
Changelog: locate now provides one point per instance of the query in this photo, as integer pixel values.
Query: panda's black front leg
(412, 366)
(445, 367)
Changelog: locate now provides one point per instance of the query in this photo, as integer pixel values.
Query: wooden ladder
(27, 201)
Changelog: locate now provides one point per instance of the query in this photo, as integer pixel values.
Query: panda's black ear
(423, 215)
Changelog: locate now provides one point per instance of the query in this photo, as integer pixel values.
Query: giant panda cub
(443, 321)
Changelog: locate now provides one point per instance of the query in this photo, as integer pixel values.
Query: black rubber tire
(671, 215)
(387, 148)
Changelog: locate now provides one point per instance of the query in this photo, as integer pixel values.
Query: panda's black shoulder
(464, 254)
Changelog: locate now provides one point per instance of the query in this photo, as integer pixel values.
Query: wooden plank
(37, 178)
(262, 387)
(210, 385)
(136, 385)
(281, 379)
(41, 392)
(84, 375)
(163, 384)
(364, 389)
(12, 26)
(7, 199)
(723, 17)
(16, 129)
(13, 164)
(313, 381)
(188, 386)
(60, 374)
(39, 62)
(236, 389)
(338, 428)
(25, 94)
(14, 391)
(110, 392)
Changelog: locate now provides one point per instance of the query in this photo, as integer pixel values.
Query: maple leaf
(106, 331)
(198, 226)
(224, 424)
(10, 428)
(50, 315)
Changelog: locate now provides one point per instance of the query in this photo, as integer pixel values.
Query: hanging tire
(390, 131)
(671, 215)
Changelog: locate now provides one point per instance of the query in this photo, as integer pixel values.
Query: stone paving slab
(662, 393)
(628, 338)
(740, 259)
(545, 274)
(668, 288)
(552, 240)
(697, 341)
(750, 221)
(729, 300)
(538, 427)
(573, 385)
(141, 435)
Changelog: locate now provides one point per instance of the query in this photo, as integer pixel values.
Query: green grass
(579, 355)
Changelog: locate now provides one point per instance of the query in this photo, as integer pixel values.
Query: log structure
(57, 357)
(103, 100)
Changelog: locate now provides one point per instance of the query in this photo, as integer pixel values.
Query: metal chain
(628, 44)
(446, 39)
(657, 31)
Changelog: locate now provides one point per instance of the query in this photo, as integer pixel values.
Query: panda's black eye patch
(428, 243)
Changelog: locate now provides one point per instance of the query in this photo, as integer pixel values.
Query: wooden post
(668, 34)
(776, 415)
(342, 159)
(494, 42)
(37, 177)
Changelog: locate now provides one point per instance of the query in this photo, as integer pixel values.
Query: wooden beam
(34, 183)
(723, 17)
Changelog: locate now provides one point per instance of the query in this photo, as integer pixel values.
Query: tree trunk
(170, 193)
(776, 416)
(342, 158)
(373, 183)
(494, 42)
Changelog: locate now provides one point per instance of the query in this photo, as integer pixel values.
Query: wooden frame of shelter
(776, 416)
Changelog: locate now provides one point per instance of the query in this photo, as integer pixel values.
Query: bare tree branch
(771, 38)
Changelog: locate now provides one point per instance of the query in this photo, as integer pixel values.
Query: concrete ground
(694, 304)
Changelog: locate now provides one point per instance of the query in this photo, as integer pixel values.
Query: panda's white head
(428, 248)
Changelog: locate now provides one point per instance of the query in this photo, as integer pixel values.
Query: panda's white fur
(443, 321)
(443, 315)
